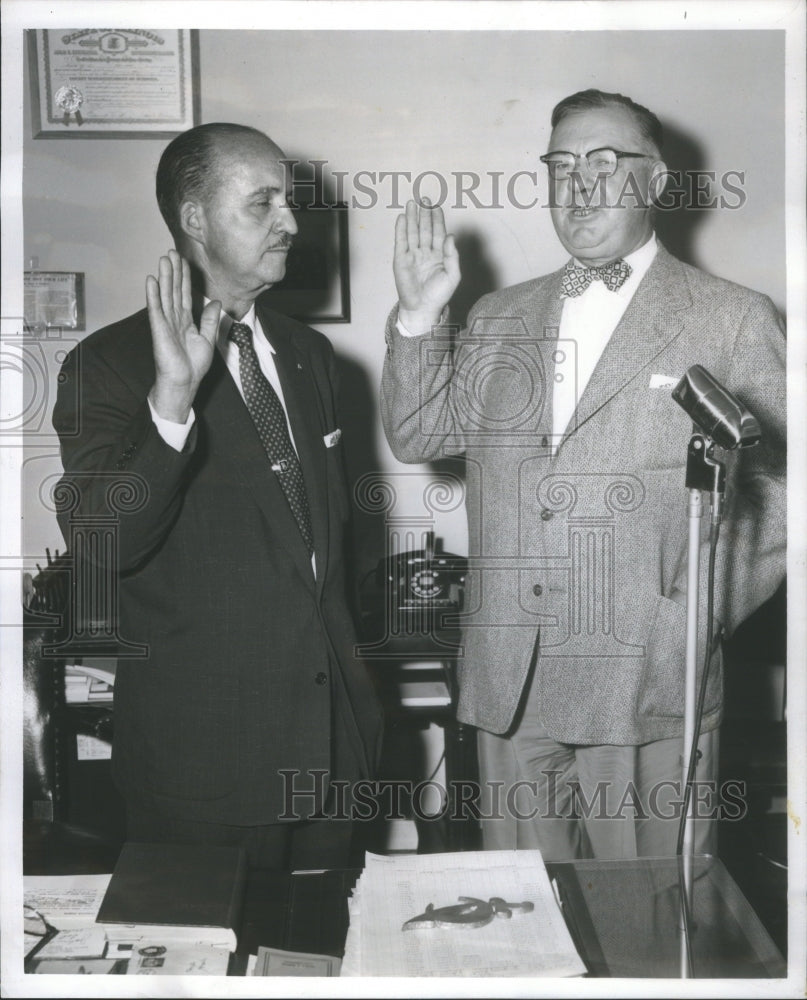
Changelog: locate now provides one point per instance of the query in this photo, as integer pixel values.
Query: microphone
(715, 411)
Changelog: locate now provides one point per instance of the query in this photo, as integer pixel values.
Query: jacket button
(537, 590)
(547, 515)
(321, 678)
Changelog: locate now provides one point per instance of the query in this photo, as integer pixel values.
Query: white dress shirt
(588, 321)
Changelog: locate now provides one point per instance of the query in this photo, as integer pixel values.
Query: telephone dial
(423, 579)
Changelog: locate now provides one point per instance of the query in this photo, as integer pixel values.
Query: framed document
(54, 300)
(113, 84)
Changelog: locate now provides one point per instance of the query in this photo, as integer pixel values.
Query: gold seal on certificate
(69, 99)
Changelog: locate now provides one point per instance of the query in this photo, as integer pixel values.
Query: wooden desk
(623, 915)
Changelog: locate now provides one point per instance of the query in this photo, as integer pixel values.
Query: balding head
(194, 164)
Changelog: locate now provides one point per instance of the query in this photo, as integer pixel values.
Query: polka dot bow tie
(577, 279)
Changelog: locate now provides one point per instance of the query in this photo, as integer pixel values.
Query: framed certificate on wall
(113, 83)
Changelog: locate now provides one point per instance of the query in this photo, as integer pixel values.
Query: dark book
(175, 892)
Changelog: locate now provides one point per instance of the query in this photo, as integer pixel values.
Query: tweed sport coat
(247, 652)
(584, 550)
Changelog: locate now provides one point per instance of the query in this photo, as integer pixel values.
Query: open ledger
(531, 941)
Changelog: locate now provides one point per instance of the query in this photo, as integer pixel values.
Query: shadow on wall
(359, 411)
(359, 416)
(479, 275)
(677, 222)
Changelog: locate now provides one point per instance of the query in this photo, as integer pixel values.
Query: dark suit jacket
(249, 656)
(588, 545)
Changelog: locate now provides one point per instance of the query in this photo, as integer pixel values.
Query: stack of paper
(88, 683)
(532, 941)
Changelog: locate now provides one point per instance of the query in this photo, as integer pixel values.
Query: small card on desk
(274, 962)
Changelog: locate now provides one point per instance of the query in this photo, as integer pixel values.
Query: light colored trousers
(572, 801)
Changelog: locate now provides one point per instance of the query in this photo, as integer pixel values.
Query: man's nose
(285, 222)
(586, 175)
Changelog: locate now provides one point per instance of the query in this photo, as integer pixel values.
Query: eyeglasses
(35, 923)
(37, 931)
(603, 162)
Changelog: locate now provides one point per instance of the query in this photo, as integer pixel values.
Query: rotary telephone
(423, 579)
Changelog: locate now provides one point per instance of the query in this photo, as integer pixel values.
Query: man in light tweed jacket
(558, 393)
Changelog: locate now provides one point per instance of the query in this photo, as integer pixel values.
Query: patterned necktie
(269, 417)
(577, 279)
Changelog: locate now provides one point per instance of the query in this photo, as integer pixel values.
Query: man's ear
(192, 220)
(658, 180)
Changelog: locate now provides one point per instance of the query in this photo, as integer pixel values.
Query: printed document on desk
(66, 901)
(393, 890)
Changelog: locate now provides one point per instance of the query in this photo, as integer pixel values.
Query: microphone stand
(703, 474)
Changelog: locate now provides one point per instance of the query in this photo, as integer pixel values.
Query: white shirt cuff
(405, 333)
(170, 431)
(402, 330)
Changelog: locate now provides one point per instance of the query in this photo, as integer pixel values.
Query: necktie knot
(576, 279)
(241, 335)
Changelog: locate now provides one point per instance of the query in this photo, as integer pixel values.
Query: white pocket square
(664, 381)
(332, 438)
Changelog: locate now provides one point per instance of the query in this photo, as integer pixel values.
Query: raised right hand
(426, 266)
(182, 353)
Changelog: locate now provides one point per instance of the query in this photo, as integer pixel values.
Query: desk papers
(65, 901)
(394, 889)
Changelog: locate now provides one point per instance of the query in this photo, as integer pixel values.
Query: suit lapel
(651, 321)
(303, 404)
(234, 440)
(547, 310)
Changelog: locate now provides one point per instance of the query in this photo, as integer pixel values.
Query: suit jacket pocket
(662, 685)
(661, 691)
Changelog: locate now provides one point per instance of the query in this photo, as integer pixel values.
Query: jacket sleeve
(751, 554)
(116, 464)
(420, 394)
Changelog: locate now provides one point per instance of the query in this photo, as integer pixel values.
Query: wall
(418, 101)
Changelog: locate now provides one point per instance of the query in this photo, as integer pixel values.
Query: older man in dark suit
(559, 395)
(222, 414)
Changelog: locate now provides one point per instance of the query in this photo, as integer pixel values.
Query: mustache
(284, 243)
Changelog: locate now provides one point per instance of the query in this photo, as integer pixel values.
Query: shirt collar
(250, 318)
